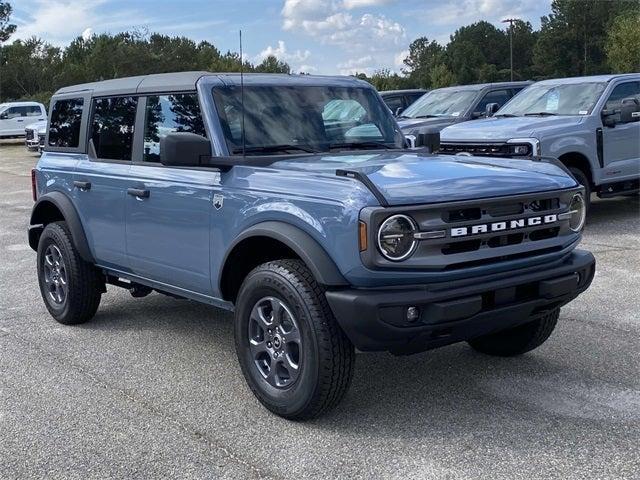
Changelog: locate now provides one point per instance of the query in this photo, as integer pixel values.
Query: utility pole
(510, 22)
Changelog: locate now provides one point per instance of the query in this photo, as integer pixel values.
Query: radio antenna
(242, 96)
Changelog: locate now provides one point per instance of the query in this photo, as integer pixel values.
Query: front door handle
(84, 186)
(138, 192)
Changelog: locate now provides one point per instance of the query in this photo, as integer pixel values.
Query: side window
(33, 110)
(14, 112)
(64, 128)
(497, 96)
(112, 127)
(342, 111)
(394, 103)
(169, 113)
(622, 91)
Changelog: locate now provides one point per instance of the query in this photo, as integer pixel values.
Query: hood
(40, 126)
(407, 178)
(415, 125)
(505, 128)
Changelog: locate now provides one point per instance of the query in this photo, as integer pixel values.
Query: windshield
(560, 99)
(441, 103)
(295, 119)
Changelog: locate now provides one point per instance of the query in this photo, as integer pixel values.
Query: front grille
(480, 149)
(480, 232)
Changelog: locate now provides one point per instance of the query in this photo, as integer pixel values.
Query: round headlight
(578, 211)
(395, 237)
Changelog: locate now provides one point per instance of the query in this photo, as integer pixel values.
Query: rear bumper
(375, 319)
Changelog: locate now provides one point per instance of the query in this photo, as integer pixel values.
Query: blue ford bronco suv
(322, 235)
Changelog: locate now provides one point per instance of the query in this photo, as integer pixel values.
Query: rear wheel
(518, 340)
(71, 288)
(293, 354)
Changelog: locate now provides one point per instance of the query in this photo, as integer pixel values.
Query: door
(621, 142)
(13, 121)
(169, 209)
(102, 178)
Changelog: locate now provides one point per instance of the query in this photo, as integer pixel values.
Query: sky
(312, 36)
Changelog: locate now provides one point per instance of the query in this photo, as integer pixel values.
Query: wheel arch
(579, 161)
(54, 207)
(274, 240)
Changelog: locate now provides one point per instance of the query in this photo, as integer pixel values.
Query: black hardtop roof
(186, 81)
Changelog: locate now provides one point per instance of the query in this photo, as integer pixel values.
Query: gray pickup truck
(591, 124)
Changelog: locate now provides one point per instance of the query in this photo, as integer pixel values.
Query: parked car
(320, 236)
(399, 100)
(591, 124)
(34, 135)
(445, 106)
(15, 116)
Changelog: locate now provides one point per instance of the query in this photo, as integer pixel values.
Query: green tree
(623, 43)
(423, 56)
(6, 28)
(272, 65)
(572, 37)
(441, 76)
(524, 41)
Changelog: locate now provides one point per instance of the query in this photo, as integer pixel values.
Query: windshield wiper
(274, 148)
(540, 114)
(505, 115)
(356, 145)
(426, 116)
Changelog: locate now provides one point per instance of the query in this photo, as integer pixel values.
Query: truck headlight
(524, 149)
(578, 211)
(396, 237)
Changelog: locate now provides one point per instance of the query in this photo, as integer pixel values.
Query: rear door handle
(138, 192)
(84, 186)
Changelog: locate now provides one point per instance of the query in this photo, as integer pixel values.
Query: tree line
(578, 37)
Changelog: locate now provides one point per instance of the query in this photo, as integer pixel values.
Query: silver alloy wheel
(275, 342)
(55, 275)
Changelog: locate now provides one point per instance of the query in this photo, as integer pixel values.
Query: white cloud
(87, 34)
(357, 65)
(281, 53)
(398, 60)
(464, 12)
(307, 69)
(58, 21)
(329, 21)
(350, 4)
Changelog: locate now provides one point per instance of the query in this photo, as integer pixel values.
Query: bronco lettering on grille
(504, 226)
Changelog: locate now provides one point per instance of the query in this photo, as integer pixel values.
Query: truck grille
(485, 231)
(482, 149)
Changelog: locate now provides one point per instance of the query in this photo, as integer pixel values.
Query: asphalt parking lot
(151, 387)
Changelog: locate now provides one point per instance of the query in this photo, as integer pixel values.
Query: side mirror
(184, 149)
(3, 116)
(429, 140)
(629, 110)
(491, 109)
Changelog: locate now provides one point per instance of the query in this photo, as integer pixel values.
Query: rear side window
(64, 128)
(166, 114)
(112, 127)
(33, 110)
(497, 96)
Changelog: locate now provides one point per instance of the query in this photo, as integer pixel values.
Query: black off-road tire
(84, 282)
(518, 340)
(584, 181)
(326, 355)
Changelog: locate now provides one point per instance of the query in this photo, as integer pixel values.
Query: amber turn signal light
(362, 235)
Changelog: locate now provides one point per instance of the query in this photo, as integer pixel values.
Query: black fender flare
(64, 205)
(304, 245)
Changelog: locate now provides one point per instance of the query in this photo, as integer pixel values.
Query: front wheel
(517, 340)
(294, 356)
(584, 181)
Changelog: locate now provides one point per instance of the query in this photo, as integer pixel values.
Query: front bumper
(375, 319)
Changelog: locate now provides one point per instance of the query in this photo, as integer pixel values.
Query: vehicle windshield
(298, 119)
(558, 99)
(441, 103)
